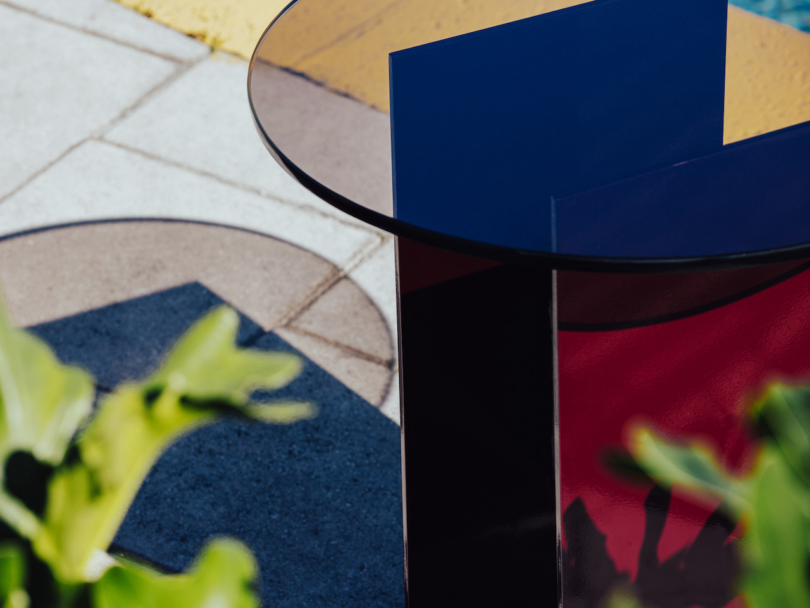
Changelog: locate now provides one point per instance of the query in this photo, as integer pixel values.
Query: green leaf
(43, 403)
(775, 545)
(622, 597)
(223, 577)
(206, 365)
(691, 467)
(280, 413)
(204, 377)
(12, 576)
(784, 411)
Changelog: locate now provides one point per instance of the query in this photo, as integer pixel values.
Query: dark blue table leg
(476, 356)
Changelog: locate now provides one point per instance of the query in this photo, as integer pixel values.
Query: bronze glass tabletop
(585, 135)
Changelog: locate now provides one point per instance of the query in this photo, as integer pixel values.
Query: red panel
(690, 378)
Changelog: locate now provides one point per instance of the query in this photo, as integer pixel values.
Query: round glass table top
(584, 134)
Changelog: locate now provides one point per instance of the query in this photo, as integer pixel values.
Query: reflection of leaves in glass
(63, 500)
(588, 571)
(773, 499)
(701, 574)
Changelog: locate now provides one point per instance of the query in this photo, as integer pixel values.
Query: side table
(582, 264)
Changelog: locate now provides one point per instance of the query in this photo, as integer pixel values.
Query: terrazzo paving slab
(57, 273)
(111, 20)
(217, 137)
(318, 502)
(67, 85)
(100, 181)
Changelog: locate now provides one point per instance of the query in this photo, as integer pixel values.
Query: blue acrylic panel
(487, 126)
(751, 196)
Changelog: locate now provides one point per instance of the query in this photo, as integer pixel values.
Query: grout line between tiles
(180, 69)
(320, 289)
(350, 350)
(257, 191)
(99, 35)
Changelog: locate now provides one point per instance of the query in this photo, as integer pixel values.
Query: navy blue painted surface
(754, 195)
(487, 126)
(318, 502)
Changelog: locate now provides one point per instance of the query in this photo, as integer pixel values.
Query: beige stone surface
(61, 272)
(368, 379)
(341, 316)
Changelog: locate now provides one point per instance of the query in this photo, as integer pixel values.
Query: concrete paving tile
(376, 276)
(345, 315)
(203, 121)
(111, 20)
(99, 180)
(60, 85)
(368, 379)
(390, 406)
(56, 273)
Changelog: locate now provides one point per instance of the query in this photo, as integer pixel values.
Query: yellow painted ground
(768, 66)
(230, 25)
(767, 76)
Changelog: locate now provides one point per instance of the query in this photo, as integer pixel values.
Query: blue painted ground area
(795, 13)
(319, 502)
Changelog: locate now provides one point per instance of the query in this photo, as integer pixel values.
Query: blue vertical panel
(752, 196)
(488, 125)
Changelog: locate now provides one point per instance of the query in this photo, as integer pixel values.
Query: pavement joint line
(321, 288)
(180, 69)
(309, 299)
(97, 34)
(367, 253)
(237, 185)
(350, 350)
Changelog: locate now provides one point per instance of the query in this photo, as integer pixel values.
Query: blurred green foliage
(772, 499)
(68, 476)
